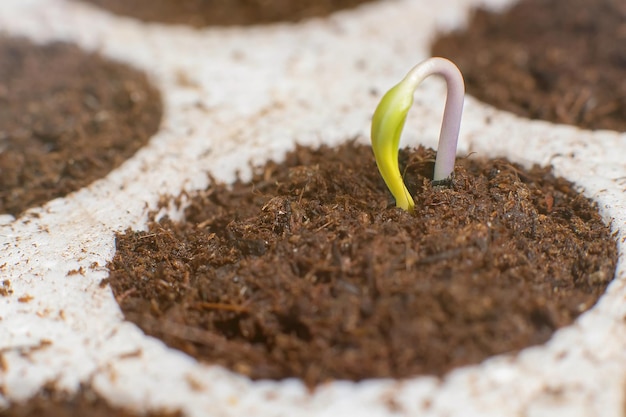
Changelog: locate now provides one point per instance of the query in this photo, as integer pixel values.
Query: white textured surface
(256, 91)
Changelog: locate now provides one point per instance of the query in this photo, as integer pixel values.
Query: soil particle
(68, 118)
(310, 271)
(5, 288)
(202, 13)
(25, 298)
(561, 61)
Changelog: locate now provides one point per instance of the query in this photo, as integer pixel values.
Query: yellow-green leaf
(387, 124)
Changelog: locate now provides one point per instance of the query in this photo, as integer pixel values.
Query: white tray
(250, 94)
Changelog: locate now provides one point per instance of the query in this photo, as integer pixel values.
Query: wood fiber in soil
(555, 60)
(86, 402)
(310, 271)
(67, 118)
(202, 13)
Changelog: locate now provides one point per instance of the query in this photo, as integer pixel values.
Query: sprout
(390, 115)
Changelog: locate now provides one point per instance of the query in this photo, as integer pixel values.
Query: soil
(50, 403)
(310, 271)
(560, 61)
(68, 118)
(202, 13)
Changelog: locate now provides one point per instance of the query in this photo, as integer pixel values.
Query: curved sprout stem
(390, 116)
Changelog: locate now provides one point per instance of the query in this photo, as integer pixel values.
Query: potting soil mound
(310, 271)
(50, 403)
(201, 13)
(68, 117)
(561, 61)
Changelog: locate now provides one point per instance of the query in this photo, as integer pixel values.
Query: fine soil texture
(85, 403)
(202, 13)
(68, 118)
(310, 271)
(560, 61)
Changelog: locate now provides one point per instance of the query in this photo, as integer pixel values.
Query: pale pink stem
(451, 124)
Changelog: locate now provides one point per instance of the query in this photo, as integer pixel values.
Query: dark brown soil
(310, 271)
(202, 13)
(555, 60)
(86, 403)
(68, 118)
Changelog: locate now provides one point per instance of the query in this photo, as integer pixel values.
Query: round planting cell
(202, 13)
(85, 402)
(552, 60)
(310, 271)
(68, 118)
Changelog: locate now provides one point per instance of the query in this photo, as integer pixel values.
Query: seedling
(390, 116)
